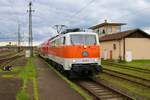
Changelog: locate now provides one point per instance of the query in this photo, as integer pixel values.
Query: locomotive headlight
(96, 60)
(73, 60)
(85, 46)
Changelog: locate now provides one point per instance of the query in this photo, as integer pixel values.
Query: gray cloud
(48, 13)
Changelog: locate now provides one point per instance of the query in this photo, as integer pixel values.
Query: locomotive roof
(82, 33)
(61, 35)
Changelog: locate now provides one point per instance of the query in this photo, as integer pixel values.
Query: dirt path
(51, 86)
(9, 88)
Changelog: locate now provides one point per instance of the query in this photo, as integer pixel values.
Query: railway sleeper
(111, 97)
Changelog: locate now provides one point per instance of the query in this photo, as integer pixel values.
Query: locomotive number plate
(85, 60)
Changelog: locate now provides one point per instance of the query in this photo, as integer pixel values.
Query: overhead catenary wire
(82, 9)
(74, 15)
(126, 15)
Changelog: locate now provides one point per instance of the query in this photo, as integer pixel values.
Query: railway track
(100, 91)
(131, 78)
(6, 60)
(4, 54)
(127, 67)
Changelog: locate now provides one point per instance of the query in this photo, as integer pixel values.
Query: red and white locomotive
(74, 53)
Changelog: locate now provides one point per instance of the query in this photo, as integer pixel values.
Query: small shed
(117, 45)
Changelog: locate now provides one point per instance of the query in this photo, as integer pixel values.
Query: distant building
(107, 28)
(116, 44)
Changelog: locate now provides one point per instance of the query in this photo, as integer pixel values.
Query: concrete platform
(51, 86)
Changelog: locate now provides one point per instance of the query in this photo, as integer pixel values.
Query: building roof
(106, 23)
(124, 34)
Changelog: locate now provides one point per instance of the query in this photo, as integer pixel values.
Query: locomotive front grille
(92, 67)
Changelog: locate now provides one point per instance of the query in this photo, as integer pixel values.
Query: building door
(105, 54)
(110, 56)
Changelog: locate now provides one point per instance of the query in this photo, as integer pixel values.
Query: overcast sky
(136, 13)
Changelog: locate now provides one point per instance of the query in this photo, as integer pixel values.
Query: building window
(114, 46)
(103, 31)
(110, 29)
(100, 31)
(118, 28)
(97, 31)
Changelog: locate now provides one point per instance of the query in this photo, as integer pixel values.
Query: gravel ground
(21, 62)
(51, 86)
(10, 86)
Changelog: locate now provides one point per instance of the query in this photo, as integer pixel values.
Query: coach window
(64, 40)
(54, 44)
(50, 44)
(59, 41)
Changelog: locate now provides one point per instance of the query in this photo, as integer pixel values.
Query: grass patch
(129, 72)
(8, 76)
(22, 94)
(129, 86)
(72, 85)
(35, 89)
(28, 73)
(143, 64)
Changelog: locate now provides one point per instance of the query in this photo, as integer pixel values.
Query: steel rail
(130, 95)
(100, 91)
(131, 78)
(7, 60)
(127, 67)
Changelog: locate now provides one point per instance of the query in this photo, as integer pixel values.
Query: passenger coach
(74, 53)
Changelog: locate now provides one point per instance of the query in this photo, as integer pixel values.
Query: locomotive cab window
(83, 39)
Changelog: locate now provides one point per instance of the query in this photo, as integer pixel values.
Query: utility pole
(30, 28)
(59, 28)
(19, 38)
(23, 39)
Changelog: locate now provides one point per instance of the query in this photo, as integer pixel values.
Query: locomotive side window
(82, 39)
